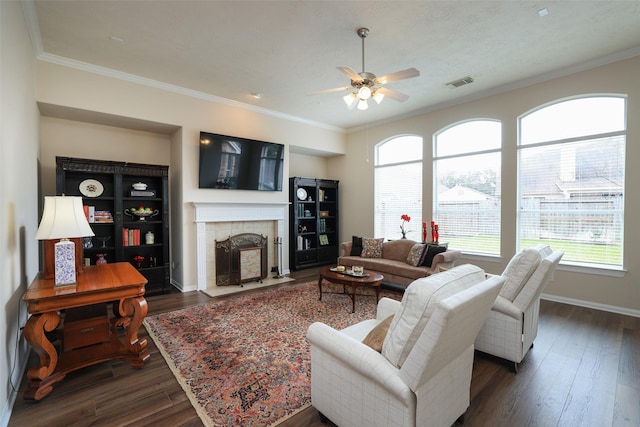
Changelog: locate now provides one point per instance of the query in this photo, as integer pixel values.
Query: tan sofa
(393, 264)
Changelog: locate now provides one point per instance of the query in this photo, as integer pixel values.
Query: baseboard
(594, 305)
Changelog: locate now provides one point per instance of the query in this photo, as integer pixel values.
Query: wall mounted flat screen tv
(231, 163)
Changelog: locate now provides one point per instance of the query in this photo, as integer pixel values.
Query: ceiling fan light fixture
(378, 96)
(364, 92)
(362, 105)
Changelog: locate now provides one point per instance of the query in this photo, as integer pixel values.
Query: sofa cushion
(430, 252)
(415, 254)
(356, 246)
(417, 305)
(397, 250)
(375, 338)
(518, 271)
(371, 248)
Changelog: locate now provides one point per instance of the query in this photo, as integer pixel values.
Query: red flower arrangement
(138, 260)
(404, 218)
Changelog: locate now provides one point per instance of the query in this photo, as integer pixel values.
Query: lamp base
(49, 256)
(65, 263)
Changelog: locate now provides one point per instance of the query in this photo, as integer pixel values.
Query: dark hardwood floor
(583, 371)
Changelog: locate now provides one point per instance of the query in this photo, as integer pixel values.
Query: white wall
(18, 194)
(355, 172)
(73, 89)
(307, 166)
(70, 138)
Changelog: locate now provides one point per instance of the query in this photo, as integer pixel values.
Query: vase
(101, 259)
(404, 235)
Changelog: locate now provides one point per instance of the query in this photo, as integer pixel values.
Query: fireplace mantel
(206, 212)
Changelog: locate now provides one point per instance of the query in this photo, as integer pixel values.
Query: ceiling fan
(366, 85)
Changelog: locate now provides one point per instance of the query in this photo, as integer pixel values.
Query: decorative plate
(302, 194)
(91, 188)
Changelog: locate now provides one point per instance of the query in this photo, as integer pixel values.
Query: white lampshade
(350, 100)
(362, 105)
(63, 218)
(377, 96)
(364, 93)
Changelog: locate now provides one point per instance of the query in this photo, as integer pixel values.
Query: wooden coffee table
(370, 279)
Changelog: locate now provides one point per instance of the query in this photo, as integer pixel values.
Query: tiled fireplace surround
(219, 221)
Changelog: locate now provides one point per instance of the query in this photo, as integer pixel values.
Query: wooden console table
(120, 283)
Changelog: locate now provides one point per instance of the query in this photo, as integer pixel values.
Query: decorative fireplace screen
(241, 258)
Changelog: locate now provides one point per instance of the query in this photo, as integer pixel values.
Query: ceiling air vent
(460, 82)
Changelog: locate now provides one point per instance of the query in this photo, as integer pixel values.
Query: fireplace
(219, 221)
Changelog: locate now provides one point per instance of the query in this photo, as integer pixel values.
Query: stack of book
(103, 216)
(97, 216)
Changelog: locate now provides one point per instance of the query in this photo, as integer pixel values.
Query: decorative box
(324, 214)
(85, 326)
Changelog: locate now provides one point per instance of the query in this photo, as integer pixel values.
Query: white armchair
(512, 324)
(422, 376)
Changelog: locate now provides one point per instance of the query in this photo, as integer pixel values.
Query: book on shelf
(143, 193)
(130, 237)
(102, 216)
(94, 215)
(303, 243)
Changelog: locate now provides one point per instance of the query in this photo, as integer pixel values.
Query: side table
(117, 282)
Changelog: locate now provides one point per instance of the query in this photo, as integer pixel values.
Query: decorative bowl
(139, 186)
(141, 214)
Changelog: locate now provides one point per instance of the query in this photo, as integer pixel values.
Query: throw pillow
(356, 246)
(415, 254)
(430, 253)
(518, 271)
(375, 337)
(371, 248)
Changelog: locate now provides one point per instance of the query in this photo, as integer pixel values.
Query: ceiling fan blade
(409, 73)
(395, 95)
(350, 73)
(335, 89)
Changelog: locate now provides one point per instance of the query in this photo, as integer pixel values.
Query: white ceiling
(288, 49)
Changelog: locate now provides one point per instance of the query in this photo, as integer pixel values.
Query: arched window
(466, 176)
(571, 173)
(398, 187)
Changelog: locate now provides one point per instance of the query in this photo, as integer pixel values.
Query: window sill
(497, 259)
(573, 267)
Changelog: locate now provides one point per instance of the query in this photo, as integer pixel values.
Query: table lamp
(63, 218)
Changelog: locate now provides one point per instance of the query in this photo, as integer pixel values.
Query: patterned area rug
(245, 361)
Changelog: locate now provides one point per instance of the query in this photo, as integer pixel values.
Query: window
(466, 170)
(398, 187)
(571, 157)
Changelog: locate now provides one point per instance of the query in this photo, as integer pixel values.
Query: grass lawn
(573, 251)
